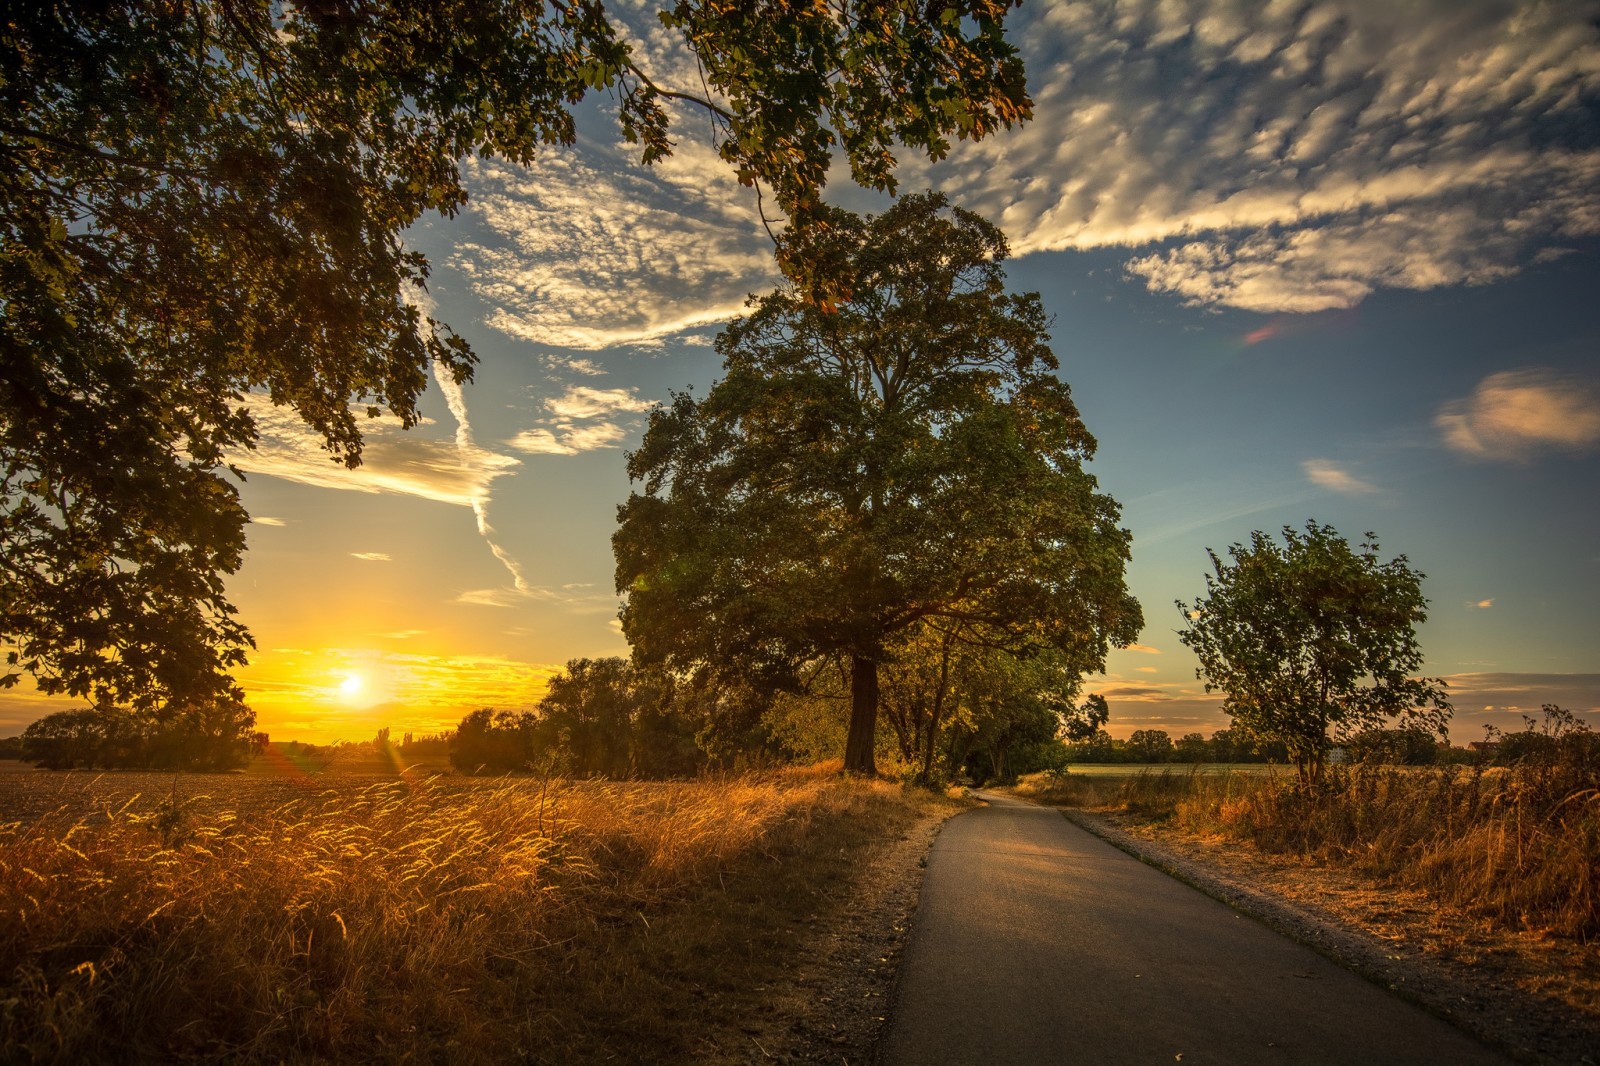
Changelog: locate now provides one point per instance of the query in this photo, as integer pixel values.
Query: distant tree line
(215, 735)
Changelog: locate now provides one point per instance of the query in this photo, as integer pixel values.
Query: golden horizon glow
(324, 695)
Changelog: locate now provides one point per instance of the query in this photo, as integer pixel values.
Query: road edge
(1417, 979)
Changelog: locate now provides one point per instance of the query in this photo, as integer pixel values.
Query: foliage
(907, 458)
(603, 717)
(214, 736)
(1150, 745)
(1313, 636)
(1399, 747)
(1559, 735)
(493, 742)
(203, 207)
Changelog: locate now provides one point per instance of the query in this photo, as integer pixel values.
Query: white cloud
(581, 402)
(581, 420)
(393, 460)
(263, 520)
(1330, 475)
(1291, 157)
(372, 557)
(1516, 414)
(587, 249)
(1279, 157)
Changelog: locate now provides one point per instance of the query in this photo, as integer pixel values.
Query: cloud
(372, 557)
(1329, 475)
(587, 249)
(1483, 605)
(1283, 157)
(1143, 649)
(1290, 157)
(263, 520)
(1516, 414)
(581, 420)
(393, 460)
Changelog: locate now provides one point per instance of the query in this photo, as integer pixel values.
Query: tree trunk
(859, 745)
(938, 711)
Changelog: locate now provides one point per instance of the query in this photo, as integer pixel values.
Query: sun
(351, 686)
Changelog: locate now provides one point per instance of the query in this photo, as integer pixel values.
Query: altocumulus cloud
(1287, 157)
(1516, 414)
(1294, 156)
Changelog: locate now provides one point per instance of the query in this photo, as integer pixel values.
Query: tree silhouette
(208, 199)
(907, 455)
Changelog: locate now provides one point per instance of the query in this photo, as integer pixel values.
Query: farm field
(1177, 769)
(268, 917)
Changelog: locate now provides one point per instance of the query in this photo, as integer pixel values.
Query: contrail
(473, 456)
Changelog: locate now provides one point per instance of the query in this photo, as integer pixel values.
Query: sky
(1330, 260)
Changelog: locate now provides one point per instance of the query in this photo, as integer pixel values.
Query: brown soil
(1534, 997)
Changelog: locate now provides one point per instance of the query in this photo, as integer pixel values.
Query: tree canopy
(1313, 636)
(203, 201)
(906, 456)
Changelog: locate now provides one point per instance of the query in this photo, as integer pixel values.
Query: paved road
(1036, 942)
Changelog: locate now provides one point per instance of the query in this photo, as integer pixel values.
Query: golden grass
(1518, 846)
(431, 919)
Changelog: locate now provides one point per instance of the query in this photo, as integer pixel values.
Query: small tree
(1313, 636)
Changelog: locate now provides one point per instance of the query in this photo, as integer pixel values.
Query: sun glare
(351, 686)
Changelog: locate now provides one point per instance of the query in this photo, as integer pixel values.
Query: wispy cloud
(263, 520)
(476, 457)
(1330, 475)
(581, 419)
(372, 557)
(393, 460)
(1483, 605)
(1516, 414)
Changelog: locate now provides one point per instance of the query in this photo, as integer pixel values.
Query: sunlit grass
(474, 922)
(1518, 846)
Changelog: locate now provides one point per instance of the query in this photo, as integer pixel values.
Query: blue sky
(1306, 260)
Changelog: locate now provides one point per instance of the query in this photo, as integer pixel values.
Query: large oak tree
(204, 198)
(907, 455)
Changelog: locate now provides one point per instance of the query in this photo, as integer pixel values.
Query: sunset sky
(1330, 260)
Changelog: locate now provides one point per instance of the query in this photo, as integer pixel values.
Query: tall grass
(431, 920)
(1519, 846)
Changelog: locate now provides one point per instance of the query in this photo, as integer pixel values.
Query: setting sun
(351, 686)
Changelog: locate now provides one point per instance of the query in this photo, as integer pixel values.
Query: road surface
(1036, 942)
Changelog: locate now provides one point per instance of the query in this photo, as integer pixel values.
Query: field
(273, 916)
(1254, 769)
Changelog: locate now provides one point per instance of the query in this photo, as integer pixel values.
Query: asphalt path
(1037, 942)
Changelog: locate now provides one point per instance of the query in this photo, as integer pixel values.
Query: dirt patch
(1535, 998)
(836, 1008)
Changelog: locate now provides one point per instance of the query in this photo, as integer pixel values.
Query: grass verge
(432, 920)
(1518, 847)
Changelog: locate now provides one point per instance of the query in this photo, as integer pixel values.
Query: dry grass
(1518, 847)
(423, 919)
